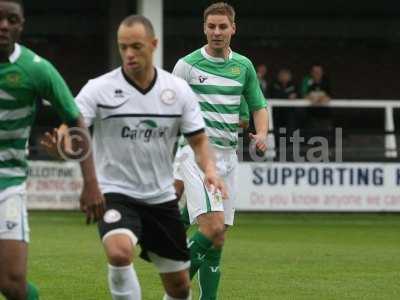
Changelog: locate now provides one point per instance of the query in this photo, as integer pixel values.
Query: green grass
(267, 256)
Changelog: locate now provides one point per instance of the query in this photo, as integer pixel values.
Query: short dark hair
(139, 19)
(220, 8)
(316, 64)
(285, 68)
(19, 2)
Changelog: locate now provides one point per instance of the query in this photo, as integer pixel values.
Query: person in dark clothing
(283, 87)
(290, 118)
(261, 75)
(316, 86)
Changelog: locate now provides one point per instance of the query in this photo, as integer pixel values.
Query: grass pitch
(267, 256)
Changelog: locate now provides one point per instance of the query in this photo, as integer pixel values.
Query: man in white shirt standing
(137, 112)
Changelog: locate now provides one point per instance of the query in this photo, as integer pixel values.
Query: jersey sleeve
(252, 91)
(87, 103)
(53, 88)
(244, 113)
(192, 119)
(181, 70)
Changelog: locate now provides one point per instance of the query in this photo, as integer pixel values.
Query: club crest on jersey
(202, 78)
(168, 96)
(112, 216)
(235, 70)
(14, 79)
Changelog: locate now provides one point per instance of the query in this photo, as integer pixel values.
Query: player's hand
(244, 124)
(179, 188)
(215, 184)
(260, 141)
(55, 141)
(92, 202)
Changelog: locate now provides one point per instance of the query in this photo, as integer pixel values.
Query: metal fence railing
(366, 140)
(363, 130)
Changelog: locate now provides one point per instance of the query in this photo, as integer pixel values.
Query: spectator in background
(283, 87)
(261, 75)
(315, 86)
(291, 118)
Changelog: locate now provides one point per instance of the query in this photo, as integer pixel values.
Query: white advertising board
(318, 187)
(369, 187)
(54, 185)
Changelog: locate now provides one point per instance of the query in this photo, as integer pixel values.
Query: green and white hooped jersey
(220, 85)
(24, 80)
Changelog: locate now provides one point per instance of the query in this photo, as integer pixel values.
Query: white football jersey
(135, 130)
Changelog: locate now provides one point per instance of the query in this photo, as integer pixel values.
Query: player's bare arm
(91, 200)
(204, 158)
(261, 123)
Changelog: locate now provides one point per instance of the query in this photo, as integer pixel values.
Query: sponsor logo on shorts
(217, 196)
(11, 225)
(112, 216)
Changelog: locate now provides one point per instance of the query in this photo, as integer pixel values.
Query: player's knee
(119, 256)
(13, 286)
(219, 240)
(179, 289)
(214, 230)
(212, 224)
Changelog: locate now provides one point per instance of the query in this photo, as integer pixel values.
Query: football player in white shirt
(137, 112)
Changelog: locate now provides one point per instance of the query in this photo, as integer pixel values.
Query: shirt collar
(16, 53)
(215, 59)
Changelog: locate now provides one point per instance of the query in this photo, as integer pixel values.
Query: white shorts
(199, 199)
(13, 214)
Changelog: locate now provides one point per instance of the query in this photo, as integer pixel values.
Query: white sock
(166, 297)
(123, 283)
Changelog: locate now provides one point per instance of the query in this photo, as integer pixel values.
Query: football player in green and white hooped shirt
(219, 77)
(25, 78)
